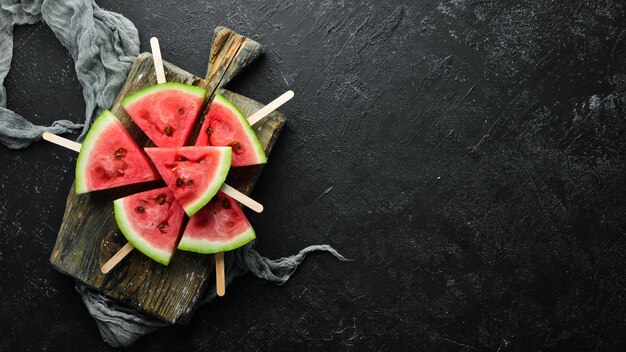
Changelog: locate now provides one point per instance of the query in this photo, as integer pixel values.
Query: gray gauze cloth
(103, 45)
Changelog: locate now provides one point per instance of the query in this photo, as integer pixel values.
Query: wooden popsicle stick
(242, 198)
(122, 253)
(115, 259)
(158, 61)
(63, 142)
(267, 109)
(220, 280)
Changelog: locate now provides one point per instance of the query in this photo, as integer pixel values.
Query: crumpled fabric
(103, 45)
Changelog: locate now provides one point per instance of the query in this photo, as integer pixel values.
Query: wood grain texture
(89, 236)
(230, 54)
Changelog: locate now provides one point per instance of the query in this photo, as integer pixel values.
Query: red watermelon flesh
(166, 112)
(151, 221)
(225, 125)
(218, 227)
(109, 157)
(194, 174)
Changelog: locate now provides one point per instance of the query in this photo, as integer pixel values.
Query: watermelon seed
(181, 111)
(160, 199)
(168, 130)
(120, 172)
(190, 183)
(120, 153)
(236, 147)
(140, 209)
(226, 204)
(161, 226)
(209, 131)
(182, 158)
(230, 223)
(180, 182)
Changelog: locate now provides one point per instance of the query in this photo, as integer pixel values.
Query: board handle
(230, 53)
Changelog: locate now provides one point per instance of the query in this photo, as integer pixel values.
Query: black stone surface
(468, 155)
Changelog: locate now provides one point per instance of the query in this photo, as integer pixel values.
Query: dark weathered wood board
(89, 236)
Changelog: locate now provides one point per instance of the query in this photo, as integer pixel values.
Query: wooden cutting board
(89, 236)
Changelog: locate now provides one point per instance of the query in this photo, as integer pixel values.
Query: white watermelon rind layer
(140, 94)
(220, 177)
(205, 246)
(135, 238)
(259, 151)
(102, 122)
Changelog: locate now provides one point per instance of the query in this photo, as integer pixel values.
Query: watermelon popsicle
(225, 125)
(151, 221)
(218, 227)
(166, 112)
(194, 174)
(109, 158)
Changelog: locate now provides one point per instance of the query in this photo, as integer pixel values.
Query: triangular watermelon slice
(151, 221)
(109, 157)
(218, 227)
(166, 112)
(225, 125)
(194, 174)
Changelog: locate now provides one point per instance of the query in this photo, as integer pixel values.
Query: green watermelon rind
(140, 94)
(205, 246)
(210, 192)
(105, 119)
(135, 238)
(259, 151)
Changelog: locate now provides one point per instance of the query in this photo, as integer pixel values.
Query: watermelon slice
(194, 174)
(218, 227)
(225, 125)
(109, 157)
(151, 221)
(166, 112)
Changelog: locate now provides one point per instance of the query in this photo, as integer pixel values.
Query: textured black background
(468, 155)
